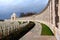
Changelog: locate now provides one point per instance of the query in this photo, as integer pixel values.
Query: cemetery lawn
(46, 30)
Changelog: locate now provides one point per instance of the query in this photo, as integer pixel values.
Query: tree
(27, 14)
(21, 14)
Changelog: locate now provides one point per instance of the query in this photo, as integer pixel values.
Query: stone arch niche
(47, 15)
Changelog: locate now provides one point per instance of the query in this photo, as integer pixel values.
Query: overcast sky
(7, 7)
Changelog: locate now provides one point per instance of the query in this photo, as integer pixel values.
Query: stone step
(45, 38)
(39, 38)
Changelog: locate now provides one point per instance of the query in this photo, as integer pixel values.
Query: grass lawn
(46, 30)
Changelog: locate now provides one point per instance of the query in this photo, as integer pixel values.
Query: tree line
(26, 14)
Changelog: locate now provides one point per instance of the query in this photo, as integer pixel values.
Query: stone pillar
(52, 11)
(59, 14)
(54, 18)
